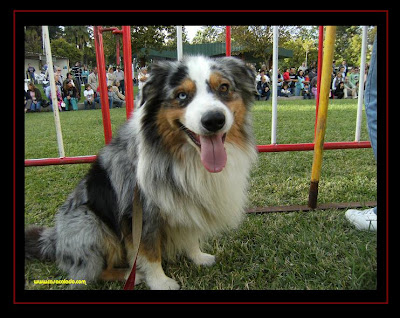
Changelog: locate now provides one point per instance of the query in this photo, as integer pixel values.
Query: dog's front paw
(204, 259)
(164, 283)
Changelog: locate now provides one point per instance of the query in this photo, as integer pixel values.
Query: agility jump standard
(273, 147)
(322, 114)
(101, 68)
(46, 40)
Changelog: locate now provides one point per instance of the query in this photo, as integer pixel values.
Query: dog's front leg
(149, 264)
(194, 252)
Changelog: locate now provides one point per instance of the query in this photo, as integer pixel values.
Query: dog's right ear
(153, 86)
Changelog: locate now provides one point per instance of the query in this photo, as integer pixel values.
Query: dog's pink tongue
(213, 154)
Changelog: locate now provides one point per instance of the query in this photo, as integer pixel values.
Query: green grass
(316, 250)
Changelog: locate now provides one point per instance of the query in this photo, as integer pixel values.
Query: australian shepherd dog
(188, 148)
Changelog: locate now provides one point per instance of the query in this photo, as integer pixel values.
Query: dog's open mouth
(212, 150)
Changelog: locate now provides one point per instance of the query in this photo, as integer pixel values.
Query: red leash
(130, 282)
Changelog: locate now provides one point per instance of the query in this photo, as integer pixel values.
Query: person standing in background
(367, 219)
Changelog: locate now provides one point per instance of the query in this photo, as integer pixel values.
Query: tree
(254, 38)
(258, 39)
(210, 34)
(33, 40)
(55, 32)
(307, 44)
(151, 37)
(77, 34)
(61, 47)
(348, 44)
(344, 37)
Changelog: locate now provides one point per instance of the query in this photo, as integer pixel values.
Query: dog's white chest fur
(207, 202)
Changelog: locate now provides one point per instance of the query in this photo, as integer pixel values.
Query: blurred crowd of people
(302, 81)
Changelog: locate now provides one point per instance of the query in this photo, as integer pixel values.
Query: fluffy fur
(189, 148)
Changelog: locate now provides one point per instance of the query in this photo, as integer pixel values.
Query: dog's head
(199, 102)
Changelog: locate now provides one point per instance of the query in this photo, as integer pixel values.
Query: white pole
(361, 83)
(179, 42)
(274, 84)
(50, 69)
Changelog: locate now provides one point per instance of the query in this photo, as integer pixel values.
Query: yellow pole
(329, 42)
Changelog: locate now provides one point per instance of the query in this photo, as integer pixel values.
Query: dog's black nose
(213, 120)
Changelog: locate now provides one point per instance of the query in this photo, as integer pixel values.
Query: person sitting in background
(263, 89)
(353, 78)
(338, 79)
(116, 89)
(34, 98)
(113, 97)
(118, 98)
(60, 102)
(89, 97)
(110, 76)
(339, 91)
(306, 91)
(70, 95)
(335, 84)
(71, 78)
(349, 88)
(285, 91)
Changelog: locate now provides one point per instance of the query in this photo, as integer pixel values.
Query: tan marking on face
(173, 138)
(216, 80)
(187, 86)
(236, 134)
(237, 107)
(168, 116)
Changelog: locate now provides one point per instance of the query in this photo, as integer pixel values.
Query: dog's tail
(40, 243)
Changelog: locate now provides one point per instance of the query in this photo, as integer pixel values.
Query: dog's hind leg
(114, 257)
(85, 245)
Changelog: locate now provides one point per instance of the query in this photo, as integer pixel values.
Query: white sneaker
(362, 219)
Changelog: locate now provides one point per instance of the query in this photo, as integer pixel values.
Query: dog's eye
(224, 88)
(182, 96)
